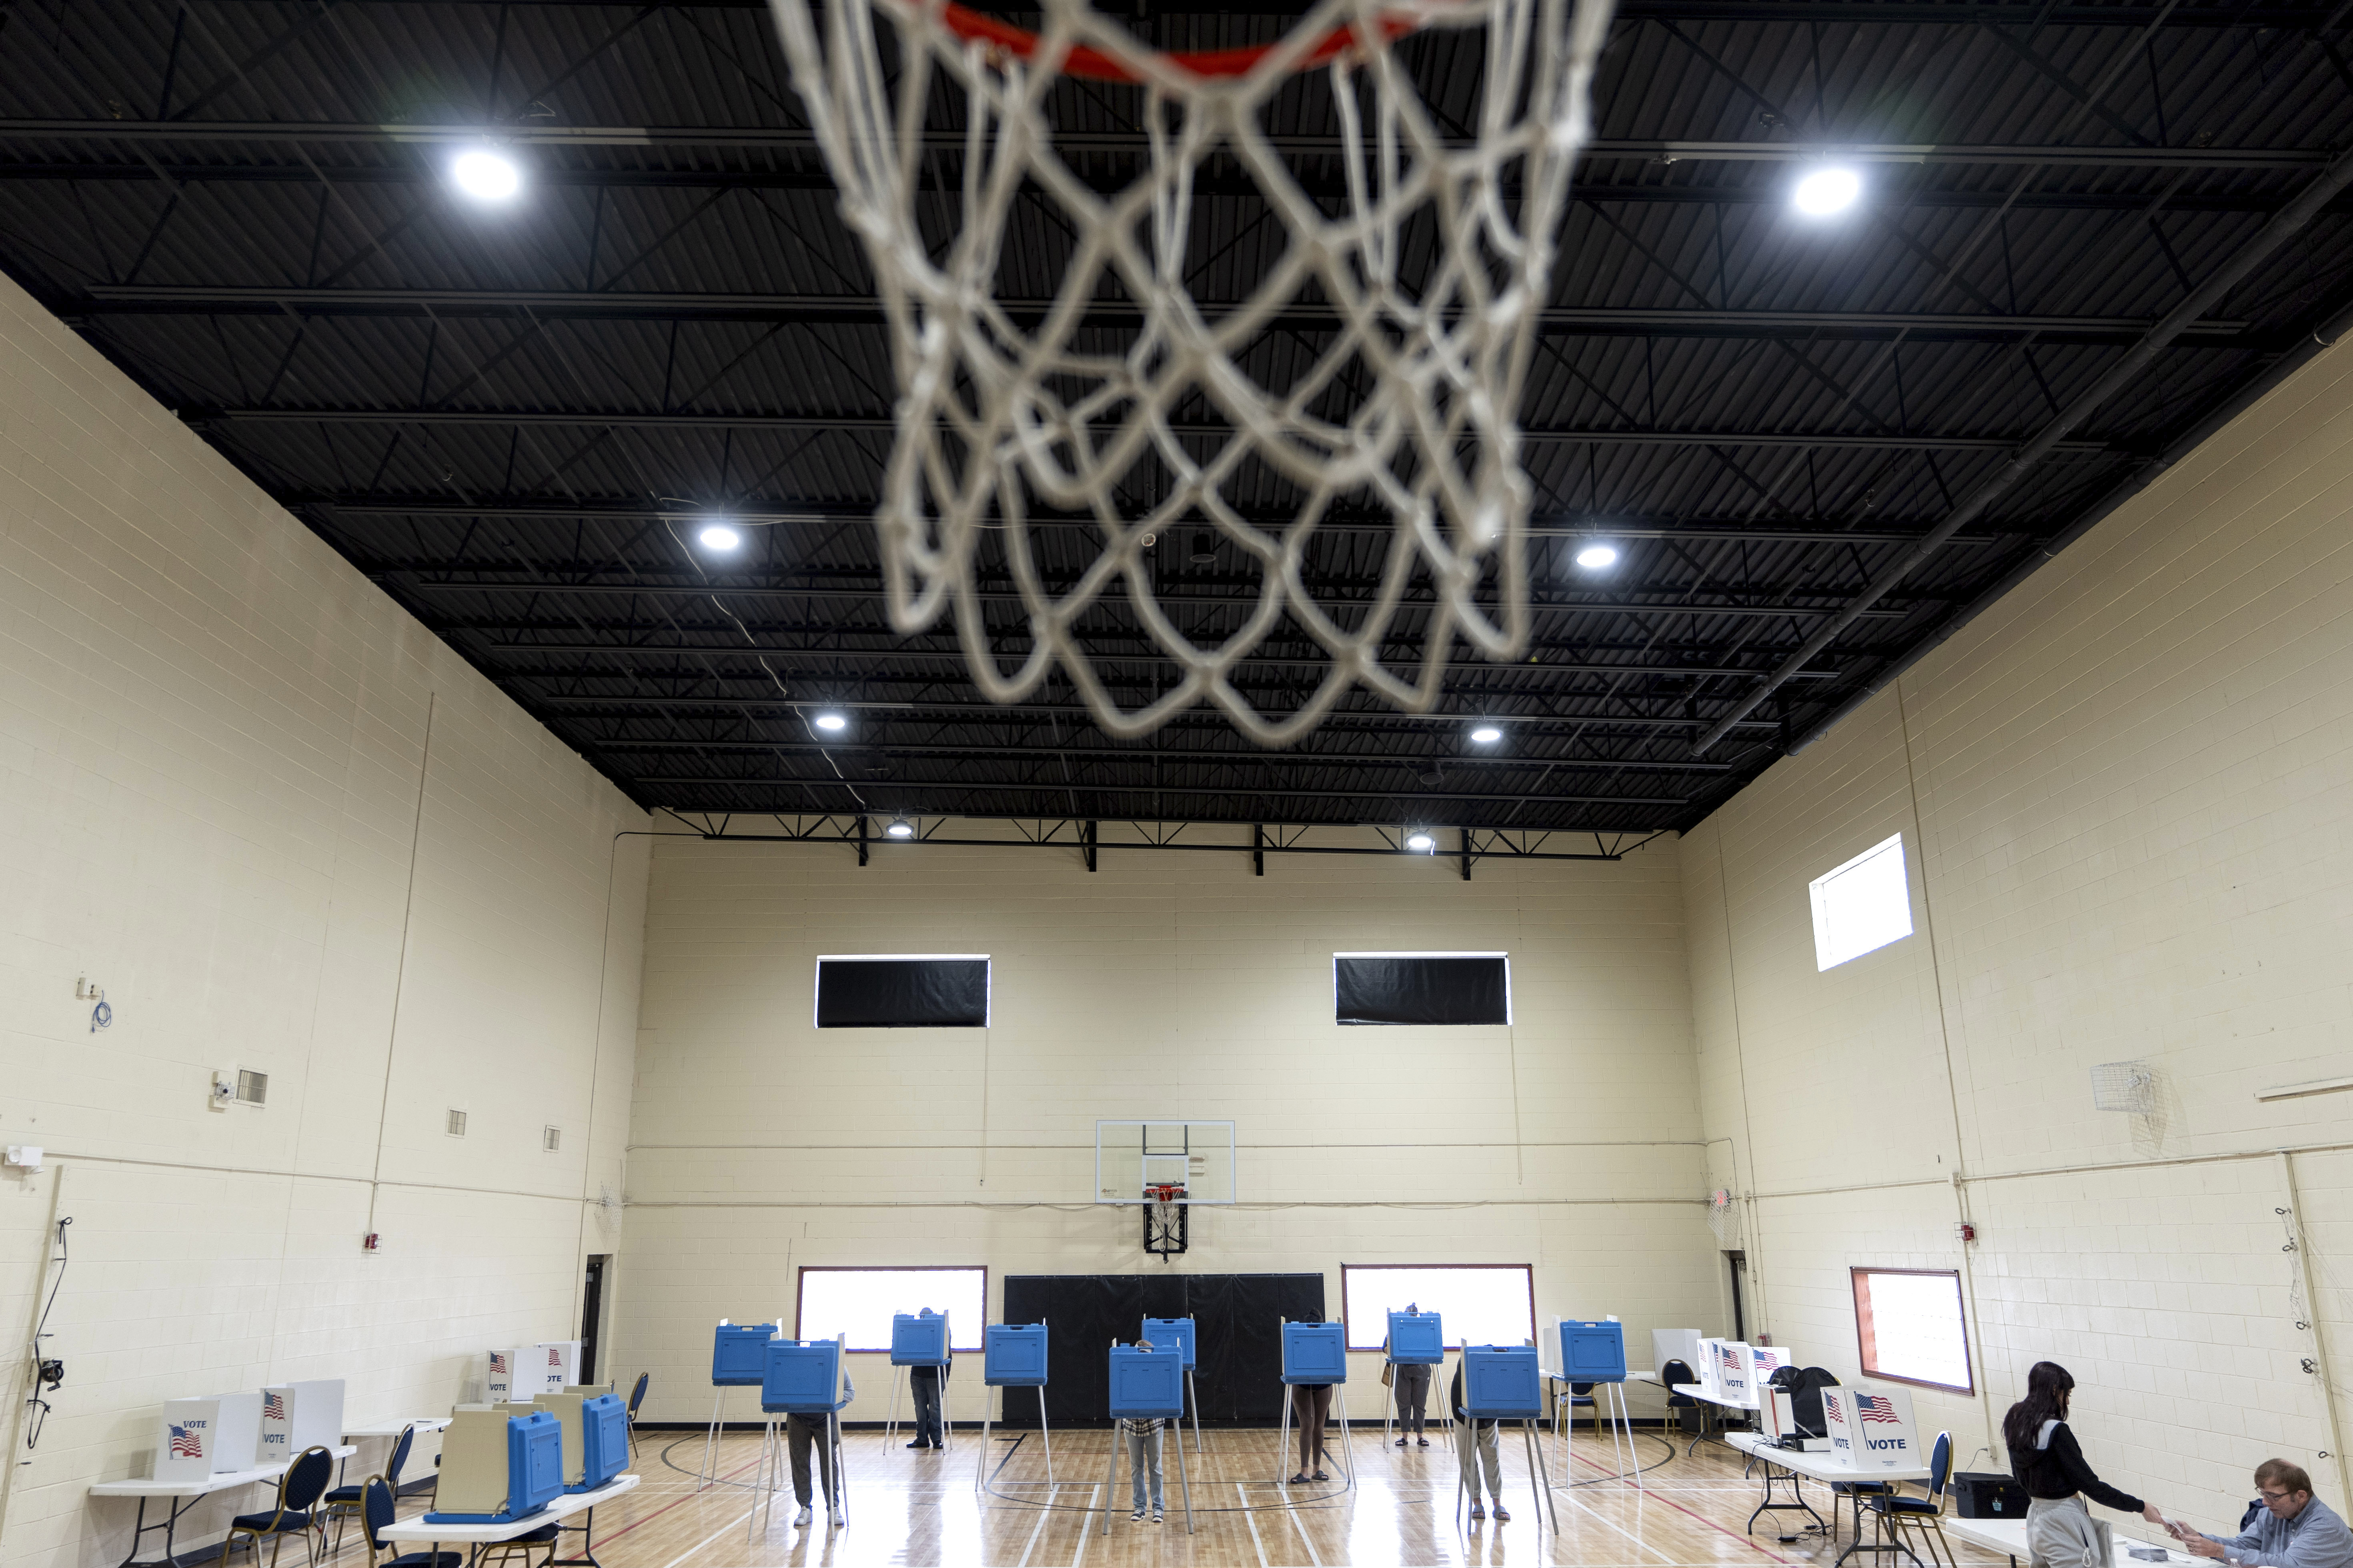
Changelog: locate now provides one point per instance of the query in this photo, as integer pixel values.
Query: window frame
(1529, 1269)
(988, 987)
(1866, 1338)
(800, 1298)
(1505, 956)
(1815, 897)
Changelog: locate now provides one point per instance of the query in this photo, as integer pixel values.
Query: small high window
(1862, 906)
(1422, 988)
(903, 991)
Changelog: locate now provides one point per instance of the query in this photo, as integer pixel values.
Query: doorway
(592, 1312)
(1738, 1263)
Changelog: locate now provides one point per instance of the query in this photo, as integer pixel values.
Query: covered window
(1422, 988)
(1482, 1303)
(1908, 1322)
(903, 991)
(860, 1303)
(1861, 906)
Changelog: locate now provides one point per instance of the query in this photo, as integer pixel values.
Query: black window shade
(1378, 988)
(902, 994)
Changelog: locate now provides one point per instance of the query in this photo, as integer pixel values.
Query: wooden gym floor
(921, 1508)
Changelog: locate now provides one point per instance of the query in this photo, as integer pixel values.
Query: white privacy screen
(1482, 1305)
(1908, 1322)
(860, 1303)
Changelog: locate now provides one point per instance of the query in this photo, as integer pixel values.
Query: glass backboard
(1195, 1156)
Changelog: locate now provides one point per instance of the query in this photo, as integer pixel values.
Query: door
(592, 1312)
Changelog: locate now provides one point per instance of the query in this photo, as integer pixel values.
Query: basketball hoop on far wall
(1413, 254)
(1167, 1228)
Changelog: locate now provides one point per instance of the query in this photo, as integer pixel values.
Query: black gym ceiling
(1819, 447)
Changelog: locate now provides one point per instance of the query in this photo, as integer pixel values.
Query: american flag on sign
(1876, 1407)
(273, 1407)
(1830, 1405)
(554, 1357)
(185, 1444)
(498, 1363)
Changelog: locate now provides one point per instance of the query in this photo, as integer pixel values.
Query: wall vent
(457, 1126)
(550, 1139)
(252, 1088)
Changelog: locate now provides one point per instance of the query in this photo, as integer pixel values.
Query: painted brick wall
(218, 798)
(1164, 985)
(2124, 794)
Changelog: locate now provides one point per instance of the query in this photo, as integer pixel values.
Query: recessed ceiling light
(1594, 557)
(1421, 841)
(900, 828)
(1486, 734)
(830, 723)
(1825, 192)
(718, 536)
(485, 175)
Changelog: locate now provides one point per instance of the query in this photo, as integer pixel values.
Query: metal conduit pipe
(2290, 219)
(2318, 341)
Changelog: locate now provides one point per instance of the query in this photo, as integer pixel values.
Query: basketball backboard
(1131, 1156)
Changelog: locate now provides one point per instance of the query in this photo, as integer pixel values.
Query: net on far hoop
(1419, 256)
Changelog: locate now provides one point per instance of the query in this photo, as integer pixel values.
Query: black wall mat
(902, 994)
(1421, 989)
(1236, 1317)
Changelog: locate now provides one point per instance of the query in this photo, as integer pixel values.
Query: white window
(1481, 1304)
(860, 1303)
(1862, 906)
(1909, 1326)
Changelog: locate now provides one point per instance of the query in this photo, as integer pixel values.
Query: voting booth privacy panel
(1502, 1382)
(919, 1339)
(803, 1377)
(1237, 1348)
(739, 1354)
(1314, 1352)
(1180, 1332)
(1145, 1384)
(1417, 1338)
(1014, 1355)
(1592, 1352)
(1870, 1426)
(497, 1465)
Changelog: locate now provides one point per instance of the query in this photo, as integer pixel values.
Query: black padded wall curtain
(902, 994)
(1380, 988)
(1237, 1328)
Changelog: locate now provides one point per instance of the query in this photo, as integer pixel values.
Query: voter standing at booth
(1481, 1450)
(2047, 1461)
(923, 1382)
(2295, 1529)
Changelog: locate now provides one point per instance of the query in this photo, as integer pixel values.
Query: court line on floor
(1747, 1541)
(1251, 1515)
(1292, 1514)
(616, 1534)
(1086, 1526)
(1037, 1530)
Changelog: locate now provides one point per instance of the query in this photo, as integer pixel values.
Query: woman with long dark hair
(2044, 1457)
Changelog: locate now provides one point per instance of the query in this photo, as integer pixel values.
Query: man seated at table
(2295, 1529)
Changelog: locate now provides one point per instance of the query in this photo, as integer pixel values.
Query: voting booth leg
(1282, 1439)
(1621, 1419)
(981, 1469)
(840, 1473)
(1184, 1478)
(891, 1420)
(1111, 1475)
(1347, 1453)
(1045, 1437)
(1538, 1477)
(709, 1473)
(1194, 1400)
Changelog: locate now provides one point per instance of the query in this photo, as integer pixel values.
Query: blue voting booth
(604, 1441)
(1505, 1382)
(1013, 1355)
(1178, 1332)
(1592, 1352)
(919, 1340)
(802, 1377)
(1314, 1352)
(534, 1471)
(737, 1353)
(1146, 1385)
(1502, 1382)
(1417, 1338)
(738, 1359)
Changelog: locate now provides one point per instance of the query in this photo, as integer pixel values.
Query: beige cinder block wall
(218, 800)
(1163, 985)
(2123, 795)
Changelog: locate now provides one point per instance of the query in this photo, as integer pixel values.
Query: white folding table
(474, 1537)
(2007, 1536)
(181, 1496)
(1819, 1466)
(390, 1429)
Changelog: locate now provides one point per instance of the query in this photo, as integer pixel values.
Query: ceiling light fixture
(720, 536)
(485, 175)
(1826, 193)
(900, 828)
(1594, 557)
(1421, 840)
(832, 723)
(1486, 735)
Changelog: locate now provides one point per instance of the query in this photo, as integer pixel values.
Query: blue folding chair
(637, 1397)
(375, 1512)
(1897, 1516)
(298, 1490)
(341, 1503)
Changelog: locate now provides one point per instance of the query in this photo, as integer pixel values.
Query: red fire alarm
(368, 1242)
(1968, 1232)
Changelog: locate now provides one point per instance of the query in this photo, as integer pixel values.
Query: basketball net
(1421, 271)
